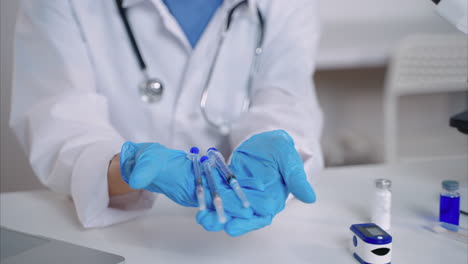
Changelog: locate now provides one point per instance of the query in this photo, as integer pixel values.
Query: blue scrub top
(193, 16)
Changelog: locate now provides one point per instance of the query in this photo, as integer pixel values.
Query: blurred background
(374, 59)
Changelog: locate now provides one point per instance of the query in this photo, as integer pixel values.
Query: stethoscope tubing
(222, 126)
(131, 36)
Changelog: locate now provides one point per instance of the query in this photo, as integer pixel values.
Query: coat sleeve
(59, 117)
(283, 94)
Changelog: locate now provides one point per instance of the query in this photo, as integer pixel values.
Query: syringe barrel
(198, 178)
(237, 189)
(218, 203)
(201, 198)
(220, 163)
(196, 168)
(209, 176)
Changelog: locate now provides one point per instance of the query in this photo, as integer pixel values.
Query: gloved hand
(268, 168)
(153, 167)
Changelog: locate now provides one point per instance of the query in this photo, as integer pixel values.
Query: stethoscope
(151, 90)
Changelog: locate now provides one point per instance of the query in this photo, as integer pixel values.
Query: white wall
(15, 172)
(358, 37)
(351, 100)
(346, 11)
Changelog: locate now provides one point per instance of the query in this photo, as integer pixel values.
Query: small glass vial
(449, 210)
(381, 211)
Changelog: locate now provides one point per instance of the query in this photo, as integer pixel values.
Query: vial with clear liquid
(449, 210)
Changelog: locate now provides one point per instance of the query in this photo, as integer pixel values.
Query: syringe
(218, 203)
(198, 178)
(218, 159)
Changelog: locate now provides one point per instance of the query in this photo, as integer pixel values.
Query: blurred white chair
(422, 64)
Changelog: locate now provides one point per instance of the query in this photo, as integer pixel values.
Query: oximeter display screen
(374, 231)
(371, 231)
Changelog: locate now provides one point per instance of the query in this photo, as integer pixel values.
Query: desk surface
(317, 233)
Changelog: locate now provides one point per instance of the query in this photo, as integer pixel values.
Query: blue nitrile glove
(153, 167)
(268, 168)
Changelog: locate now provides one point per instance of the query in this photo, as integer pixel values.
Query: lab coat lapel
(167, 18)
(171, 24)
(202, 56)
(231, 69)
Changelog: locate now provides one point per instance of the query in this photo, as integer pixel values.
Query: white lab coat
(75, 98)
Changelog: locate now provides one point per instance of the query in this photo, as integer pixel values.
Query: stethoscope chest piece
(151, 90)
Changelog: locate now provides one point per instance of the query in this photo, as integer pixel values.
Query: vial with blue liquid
(449, 210)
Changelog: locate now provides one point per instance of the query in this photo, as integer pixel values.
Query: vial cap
(383, 183)
(450, 185)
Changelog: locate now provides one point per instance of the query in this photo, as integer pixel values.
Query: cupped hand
(268, 168)
(153, 167)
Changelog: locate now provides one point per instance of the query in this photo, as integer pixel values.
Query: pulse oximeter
(371, 244)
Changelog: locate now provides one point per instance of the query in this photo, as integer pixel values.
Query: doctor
(90, 75)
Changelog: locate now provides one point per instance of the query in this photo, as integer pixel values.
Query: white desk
(302, 233)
